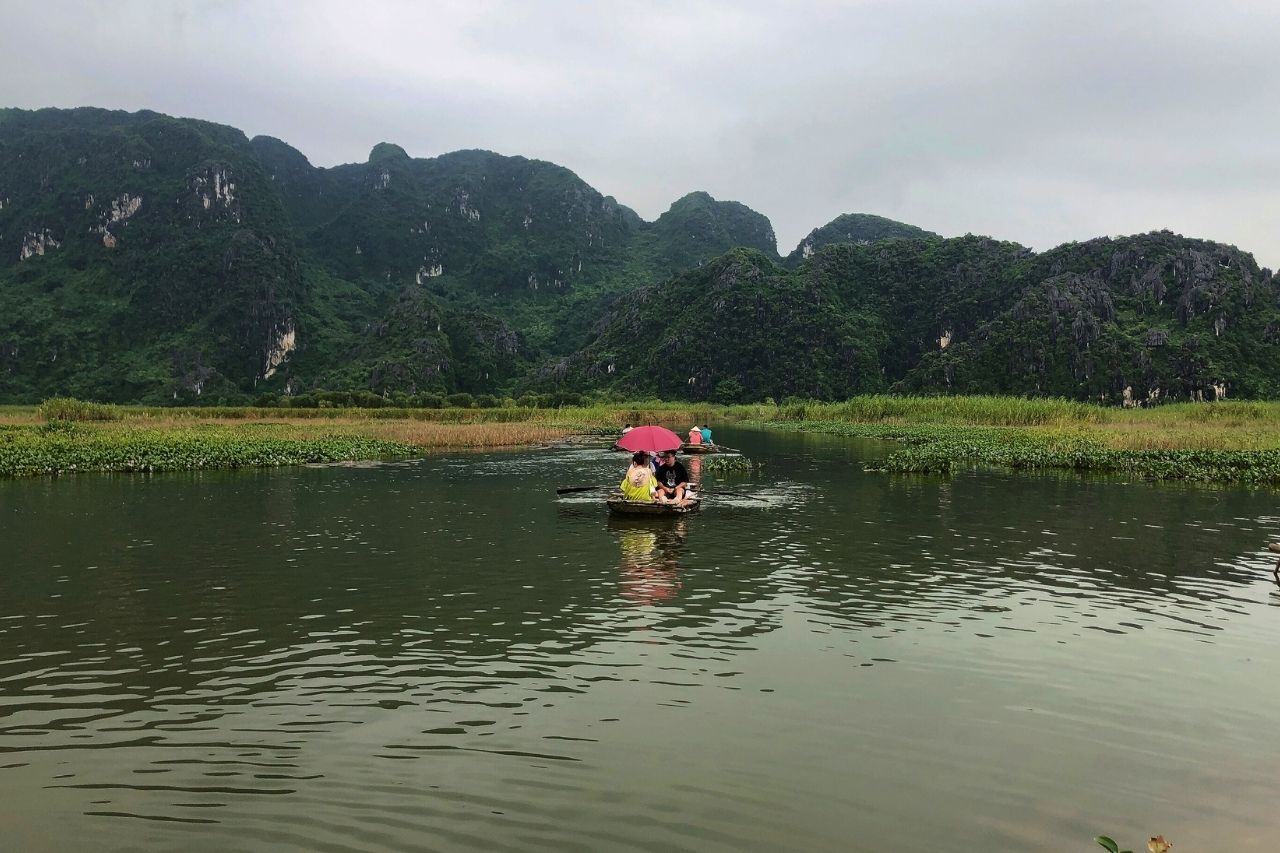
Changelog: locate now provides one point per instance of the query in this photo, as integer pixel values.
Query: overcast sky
(1040, 122)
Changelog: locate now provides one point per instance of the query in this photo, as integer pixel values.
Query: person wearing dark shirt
(673, 479)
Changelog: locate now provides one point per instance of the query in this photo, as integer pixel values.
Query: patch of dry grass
(442, 436)
(1228, 425)
(425, 434)
(1150, 435)
(19, 415)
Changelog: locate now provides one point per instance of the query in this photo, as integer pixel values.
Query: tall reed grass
(71, 409)
(883, 408)
(1050, 432)
(77, 436)
(1213, 442)
(599, 416)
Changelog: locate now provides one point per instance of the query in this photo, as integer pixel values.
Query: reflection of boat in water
(652, 509)
(650, 569)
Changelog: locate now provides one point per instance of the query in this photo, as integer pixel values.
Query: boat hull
(700, 448)
(652, 509)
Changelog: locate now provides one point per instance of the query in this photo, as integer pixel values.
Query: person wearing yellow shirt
(639, 484)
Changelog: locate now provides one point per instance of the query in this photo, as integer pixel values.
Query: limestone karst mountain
(148, 258)
(855, 228)
(145, 258)
(1149, 317)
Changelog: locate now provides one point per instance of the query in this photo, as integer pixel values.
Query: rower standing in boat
(673, 479)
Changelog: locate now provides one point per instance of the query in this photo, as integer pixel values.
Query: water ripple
(441, 653)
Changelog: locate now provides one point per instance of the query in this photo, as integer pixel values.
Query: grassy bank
(70, 435)
(26, 451)
(1218, 442)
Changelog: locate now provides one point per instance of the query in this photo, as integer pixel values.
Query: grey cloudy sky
(1040, 122)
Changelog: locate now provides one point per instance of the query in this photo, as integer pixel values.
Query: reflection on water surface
(440, 654)
(650, 567)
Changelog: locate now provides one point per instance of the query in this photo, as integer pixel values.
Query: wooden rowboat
(620, 505)
(702, 448)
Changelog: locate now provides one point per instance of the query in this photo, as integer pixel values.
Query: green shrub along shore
(62, 447)
(1223, 442)
(66, 435)
(941, 450)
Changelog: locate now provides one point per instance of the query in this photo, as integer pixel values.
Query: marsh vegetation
(1219, 442)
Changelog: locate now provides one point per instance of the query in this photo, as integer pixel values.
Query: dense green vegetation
(1230, 421)
(62, 446)
(587, 417)
(146, 259)
(68, 435)
(1134, 320)
(1223, 442)
(1160, 315)
(1219, 442)
(738, 328)
(958, 411)
(159, 260)
(942, 450)
(855, 228)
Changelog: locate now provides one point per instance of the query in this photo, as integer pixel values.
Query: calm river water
(439, 654)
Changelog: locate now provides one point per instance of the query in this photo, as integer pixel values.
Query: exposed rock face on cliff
(1138, 320)
(162, 262)
(171, 259)
(1158, 314)
(151, 259)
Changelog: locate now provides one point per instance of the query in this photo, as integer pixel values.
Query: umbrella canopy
(654, 439)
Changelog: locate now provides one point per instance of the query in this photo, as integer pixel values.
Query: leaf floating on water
(1109, 844)
(1158, 844)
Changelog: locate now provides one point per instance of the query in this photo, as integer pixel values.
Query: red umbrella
(654, 439)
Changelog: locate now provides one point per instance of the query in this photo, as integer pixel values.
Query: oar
(567, 489)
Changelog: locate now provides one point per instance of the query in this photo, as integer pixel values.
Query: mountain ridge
(150, 258)
(1125, 320)
(145, 258)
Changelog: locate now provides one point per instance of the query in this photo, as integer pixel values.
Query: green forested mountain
(152, 259)
(855, 228)
(1156, 316)
(140, 257)
(697, 227)
(738, 328)
(854, 318)
(147, 258)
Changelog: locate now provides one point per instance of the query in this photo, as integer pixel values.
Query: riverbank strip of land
(1225, 442)
(67, 435)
